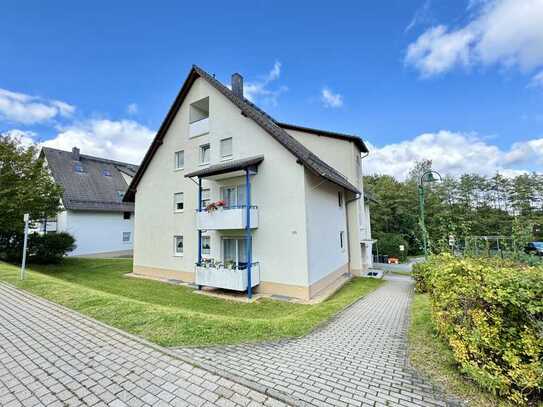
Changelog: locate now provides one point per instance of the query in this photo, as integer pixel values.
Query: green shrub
(491, 314)
(389, 244)
(420, 274)
(49, 248)
(42, 249)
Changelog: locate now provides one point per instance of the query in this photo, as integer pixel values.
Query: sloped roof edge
(304, 156)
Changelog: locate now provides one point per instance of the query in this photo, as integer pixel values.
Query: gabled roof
(304, 156)
(342, 136)
(90, 190)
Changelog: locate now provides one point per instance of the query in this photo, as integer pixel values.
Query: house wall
(325, 220)
(96, 232)
(344, 156)
(279, 243)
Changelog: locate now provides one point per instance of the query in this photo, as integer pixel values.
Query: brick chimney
(75, 154)
(237, 85)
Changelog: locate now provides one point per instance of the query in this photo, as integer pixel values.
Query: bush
(420, 274)
(43, 249)
(491, 314)
(49, 248)
(389, 244)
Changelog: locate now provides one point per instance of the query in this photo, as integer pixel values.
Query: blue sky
(447, 80)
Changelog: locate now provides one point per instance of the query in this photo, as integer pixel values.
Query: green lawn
(432, 357)
(173, 315)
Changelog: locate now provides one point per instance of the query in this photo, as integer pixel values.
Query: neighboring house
(225, 192)
(93, 209)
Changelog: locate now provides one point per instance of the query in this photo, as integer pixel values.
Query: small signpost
(402, 248)
(451, 243)
(23, 264)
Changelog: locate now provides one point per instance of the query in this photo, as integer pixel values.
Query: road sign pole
(23, 264)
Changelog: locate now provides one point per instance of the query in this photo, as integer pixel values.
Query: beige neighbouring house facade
(309, 221)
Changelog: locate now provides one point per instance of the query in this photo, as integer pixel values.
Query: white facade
(308, 230)
(98, 233)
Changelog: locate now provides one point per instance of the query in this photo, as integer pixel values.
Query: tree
(25, 187)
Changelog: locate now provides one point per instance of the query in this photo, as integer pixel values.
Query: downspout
(199, 230)
(348, 237)
(249, 242)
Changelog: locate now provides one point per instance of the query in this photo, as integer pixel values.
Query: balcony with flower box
(227, 275)
(219, 217)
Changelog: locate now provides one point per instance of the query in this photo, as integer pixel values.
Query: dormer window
(120, 195)
(199, 117)
(106, 173)
(79, 168)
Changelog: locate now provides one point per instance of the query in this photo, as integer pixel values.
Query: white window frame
(129, 237)
(208, 252)
(175, 252)
(237, 239)
(175, 195)
(201, 153)
(237, 188)
(208, 199)
(227, 156)
(176, 161)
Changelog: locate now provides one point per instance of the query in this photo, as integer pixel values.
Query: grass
(173, 315)
(433, 358)
(400, 272)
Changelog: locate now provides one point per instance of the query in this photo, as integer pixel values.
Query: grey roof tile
(90, 190)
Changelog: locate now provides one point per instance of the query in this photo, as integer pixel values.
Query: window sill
(179, 169)
(178, 255)
(227, 158)
(181, 211)
(204, 164)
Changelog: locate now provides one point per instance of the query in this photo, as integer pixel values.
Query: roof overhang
(232, 168)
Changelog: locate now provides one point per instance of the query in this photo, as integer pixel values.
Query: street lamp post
(428, 176)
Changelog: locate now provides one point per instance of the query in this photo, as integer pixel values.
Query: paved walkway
(50, 356)
(359, 359)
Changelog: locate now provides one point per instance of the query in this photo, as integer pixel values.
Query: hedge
(491, 314)
(44, 249)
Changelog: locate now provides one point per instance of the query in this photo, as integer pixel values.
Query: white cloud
(502, 32)
(259, 90)
(454, 154)
(26, 109)
(27, 138)
(331, 99)
(123, 140)
(132, 108)
(537, 80)
(422, 15)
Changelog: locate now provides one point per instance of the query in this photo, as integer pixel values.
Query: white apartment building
(227, 197)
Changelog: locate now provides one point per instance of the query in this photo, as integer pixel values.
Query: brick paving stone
(359, 358)
(51, 356)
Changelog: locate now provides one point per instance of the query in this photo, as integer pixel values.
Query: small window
(179, 202)
(206, 197)
(127, 215)
(106, 173)
(178, 245)
(205, 154)
(179, 160)
(120, 194)
(206, 244)
(226, 148)
(340, 199)
(342, 239)
(79, 168)
(126, 237)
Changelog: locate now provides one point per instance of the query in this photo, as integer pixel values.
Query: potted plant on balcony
(213, 206)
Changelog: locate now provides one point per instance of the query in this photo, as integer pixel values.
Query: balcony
(226, 218)
(365, 235)
(229, 278)
(199, 127)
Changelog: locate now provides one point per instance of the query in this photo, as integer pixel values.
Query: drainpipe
(199, 230)
(249, 242)
(348, 237)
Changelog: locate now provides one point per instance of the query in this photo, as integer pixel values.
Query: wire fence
(503, 247)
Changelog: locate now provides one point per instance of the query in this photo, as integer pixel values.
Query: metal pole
(248, 242)
(422, 225)
(23, 264)
(199, 230)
